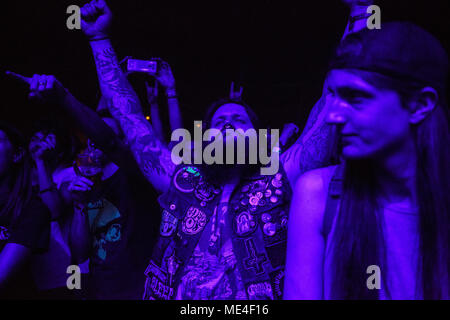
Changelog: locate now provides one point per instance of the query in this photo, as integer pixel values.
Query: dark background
(278, 50)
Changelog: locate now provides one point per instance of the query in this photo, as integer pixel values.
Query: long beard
(221, 173)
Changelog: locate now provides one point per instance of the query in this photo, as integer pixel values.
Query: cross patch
(254, 260)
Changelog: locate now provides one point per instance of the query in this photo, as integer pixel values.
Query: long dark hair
(20, 176)
(358, 239)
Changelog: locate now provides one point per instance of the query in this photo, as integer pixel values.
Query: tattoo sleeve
(316, 145)
(314, 148)
(151, 155)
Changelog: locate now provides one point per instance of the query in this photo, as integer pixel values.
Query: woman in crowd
(24, 219)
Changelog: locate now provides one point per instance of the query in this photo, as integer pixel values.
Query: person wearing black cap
(24, 219)
(377, 226)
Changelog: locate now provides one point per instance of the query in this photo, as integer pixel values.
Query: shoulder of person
(310, 196)
(315, 181)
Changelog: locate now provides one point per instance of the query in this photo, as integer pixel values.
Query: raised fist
(96, 19)
(354, 3)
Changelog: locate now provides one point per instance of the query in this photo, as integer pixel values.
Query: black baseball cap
(400, 50)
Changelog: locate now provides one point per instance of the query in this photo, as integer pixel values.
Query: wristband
(171, 94)
(98, 39)
(51, 188)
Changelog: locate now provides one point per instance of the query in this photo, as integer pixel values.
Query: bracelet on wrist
(99, 38)
(359, 17)
(51, 188)
(171, 94)
(364, 3)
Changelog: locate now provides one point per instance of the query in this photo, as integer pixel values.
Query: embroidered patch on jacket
(259, 291)
(277, 280)
(168, 224)
(194, 221)
(254, 260)
(244, 224)
(156, 284)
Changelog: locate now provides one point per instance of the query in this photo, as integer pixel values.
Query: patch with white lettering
(259, 291)
(194, 221)
(156, 284)
(277, 280)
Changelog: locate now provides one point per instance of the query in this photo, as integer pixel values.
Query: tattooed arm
(314, 148)
(152, 157)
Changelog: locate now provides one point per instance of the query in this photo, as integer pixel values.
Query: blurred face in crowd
(93, 158)
(371, 121)
(50, 144)
(234, 118)
(231, 115)
(6, 154)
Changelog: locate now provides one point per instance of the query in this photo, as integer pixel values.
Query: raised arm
(152, 157)
(165, 78)
(49, 89)
(155, 118)
(41, 148)
(314, 148)
(167, 81)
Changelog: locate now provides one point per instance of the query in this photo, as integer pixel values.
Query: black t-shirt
(32, 230)
(124, 223)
